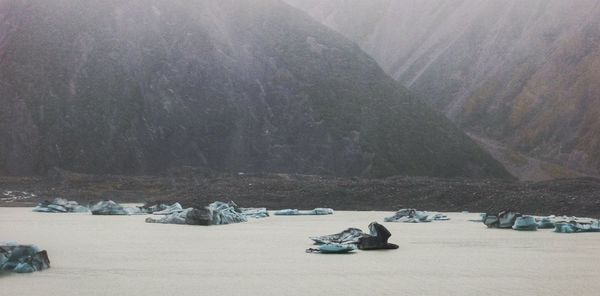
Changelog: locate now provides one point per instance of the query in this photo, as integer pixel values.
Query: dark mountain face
(523, 73)
(138, 87)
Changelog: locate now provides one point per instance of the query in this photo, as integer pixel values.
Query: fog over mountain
(142, 86)
(521, 74)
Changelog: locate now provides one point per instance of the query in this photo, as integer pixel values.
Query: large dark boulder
(199, 217)
(377, 240)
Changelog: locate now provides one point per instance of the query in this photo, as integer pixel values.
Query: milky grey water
(100, 255)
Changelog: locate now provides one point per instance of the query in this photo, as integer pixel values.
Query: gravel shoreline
(275, 191)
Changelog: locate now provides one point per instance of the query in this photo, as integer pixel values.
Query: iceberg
(167, 210)
(60, 205)
(296, 212)
(504, 219)
(348, 236)
(575, 226)
(22, 258)
(525, 223)
(216, 213)
(414, 216)
(375, 240)
(332, 248)
(254, 212)
(109, 207)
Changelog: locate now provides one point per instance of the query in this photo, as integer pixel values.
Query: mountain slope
(523, 73)
(138, 87)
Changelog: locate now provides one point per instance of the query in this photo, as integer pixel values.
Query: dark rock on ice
(376, 239)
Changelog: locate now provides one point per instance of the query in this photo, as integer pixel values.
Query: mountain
(520, 73)
(144, 86)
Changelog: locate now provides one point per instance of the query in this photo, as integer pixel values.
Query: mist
(299, 147)
(519, 76)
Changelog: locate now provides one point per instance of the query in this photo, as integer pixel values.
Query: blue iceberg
(296, 212)
(22, 258)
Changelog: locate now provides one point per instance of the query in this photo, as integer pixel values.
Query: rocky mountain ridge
(522, 73)
(140, 87)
